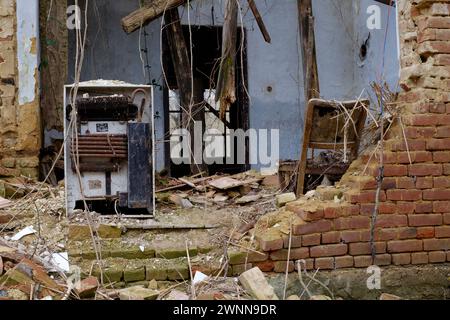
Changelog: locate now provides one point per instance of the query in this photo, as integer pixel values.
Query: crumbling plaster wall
(111, 54)
(20, 133)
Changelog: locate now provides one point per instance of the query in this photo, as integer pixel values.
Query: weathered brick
(311, 215)
(280, 266)
(356, 222)
(383, 259)
(425, 232)
(265, 266)
(405, 183)
(404, 246)
(436, 194)
(419, 258)
(404, 195)
(405, 207)
(395, 170)
(436, 256)
(420, 220)
(401, 258)
(391, 220)
(328, 250)
(295, 254)
(364, 248)
(441, 156)
(446, 217)
(416, 156)
(331, 237)
(349, 236)
(438, 144)
(362, 261)
(407, 233)
(441, 206)
(433, 22)
(442, 232)
(424, 182)
(442, 132)
(313, 227)
(311, 240)
(324, 263)
(270, 242)
(441, 182)
(331, 212)
(296, 241)
(436, 244)
(307, 264)
(422, 170)
(424, 207)
(343, 262)
(386, 234)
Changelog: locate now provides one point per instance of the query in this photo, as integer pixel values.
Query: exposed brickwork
(19, 124)
(413, 221)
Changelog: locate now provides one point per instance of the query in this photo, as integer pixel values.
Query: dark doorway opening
(206, 52)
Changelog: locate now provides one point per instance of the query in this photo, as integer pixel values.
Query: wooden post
(310, 74)
(226, 84)
(190, 96)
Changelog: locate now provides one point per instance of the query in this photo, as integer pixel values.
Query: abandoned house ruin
(147, 141)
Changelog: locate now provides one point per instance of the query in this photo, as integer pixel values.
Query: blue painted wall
(340, 31)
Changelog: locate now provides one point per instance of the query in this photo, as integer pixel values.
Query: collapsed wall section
(413, 220)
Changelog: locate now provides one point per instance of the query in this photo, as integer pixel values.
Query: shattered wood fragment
(226, 84)
(148, 13)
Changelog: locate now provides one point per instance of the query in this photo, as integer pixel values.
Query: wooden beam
(310, 75)
(226, 84)
(151, 11)
(259, 20)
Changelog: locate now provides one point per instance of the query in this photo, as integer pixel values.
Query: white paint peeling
(27, 30)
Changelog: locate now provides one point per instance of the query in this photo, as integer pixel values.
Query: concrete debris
(87, 288)
(180, 201)
(320, 297)
(138, 293)
(248, 199)
(285, 198)
(4, 203)
(177, 295)
(153, 284)
(388, 296)
(255, 283)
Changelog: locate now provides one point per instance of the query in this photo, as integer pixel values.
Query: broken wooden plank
(187, 182)
(148, 13)
(226, 84)
(259, 20)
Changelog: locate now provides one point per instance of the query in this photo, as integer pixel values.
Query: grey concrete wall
(340, 30)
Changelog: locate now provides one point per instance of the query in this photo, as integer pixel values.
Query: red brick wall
(413, 223)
